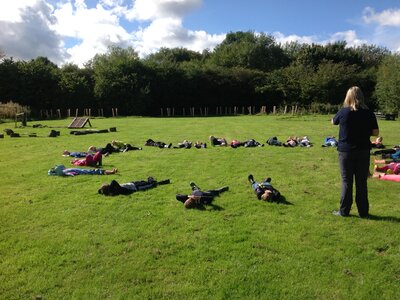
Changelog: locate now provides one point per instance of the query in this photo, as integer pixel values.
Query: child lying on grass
(60, 170)
(264, 190)
(389, 172)
(199, 198)
(90, 160)
(114, 188)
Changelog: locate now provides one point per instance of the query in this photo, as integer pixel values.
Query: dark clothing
(184, 144)
(385, 151)
(355, 128)
(150, 142)
(129, 147)
(115, 188)
(108, 149)
(260, 188)
(354, 164)
(273, 141)
(389, 154)
(206, 197)
(354, 154)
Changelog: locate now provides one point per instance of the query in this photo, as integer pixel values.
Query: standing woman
(356, 125)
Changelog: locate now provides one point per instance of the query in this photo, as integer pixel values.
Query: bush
(324, 108)
(9, 109)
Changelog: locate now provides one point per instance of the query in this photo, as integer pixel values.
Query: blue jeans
(85, 171)
(257, 185)
(354, 164)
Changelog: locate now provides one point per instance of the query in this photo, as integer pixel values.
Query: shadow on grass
(384, 218)
(378, 218)
(283, 200)
(210, 206)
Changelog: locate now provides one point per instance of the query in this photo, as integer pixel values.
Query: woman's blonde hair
(354, 99)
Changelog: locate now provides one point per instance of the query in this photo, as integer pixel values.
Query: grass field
(60, 239)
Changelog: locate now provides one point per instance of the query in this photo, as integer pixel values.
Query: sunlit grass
(60, 239)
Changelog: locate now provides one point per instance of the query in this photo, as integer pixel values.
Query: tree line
(246, 69)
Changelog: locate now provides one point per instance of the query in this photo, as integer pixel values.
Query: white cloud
(160, 9)
(71, 31)
(166, 29)
(349, 36)
(93, 28)
(387, 31)
(389, 17)
(26, 32)
(169, 32)
(282, 39)
(11, 10)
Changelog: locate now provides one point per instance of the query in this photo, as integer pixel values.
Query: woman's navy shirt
(355, 128)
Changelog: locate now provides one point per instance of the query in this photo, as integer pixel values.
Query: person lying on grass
(114, 188)
(113, 147)
(150, 142)
(184, 144)
(388, 155)
(123, 147)
(390, 168)
(377, 143)
(90, 160)
(273, 141)
(60, 170)
(217, 141)
(75, 154)
(200, 144)
(264, 190)
(304, 142)
(330, 141)
(198, 198)
(107, 150)
(385, 176)
(292, 141)
(246, 144)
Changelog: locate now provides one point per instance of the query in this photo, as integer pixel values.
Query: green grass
(60, 239)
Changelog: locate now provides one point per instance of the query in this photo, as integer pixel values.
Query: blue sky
(75, 30)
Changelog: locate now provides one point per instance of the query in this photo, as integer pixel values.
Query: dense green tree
(167, 85)
(245, 69)
(302, 84)
(388, 84)
(312, 55)
(76, 87)
(249, 50)
(174, 55)
(371, 55)
(10, 81)
(331, 81)
(39, 83)
(121, 81)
